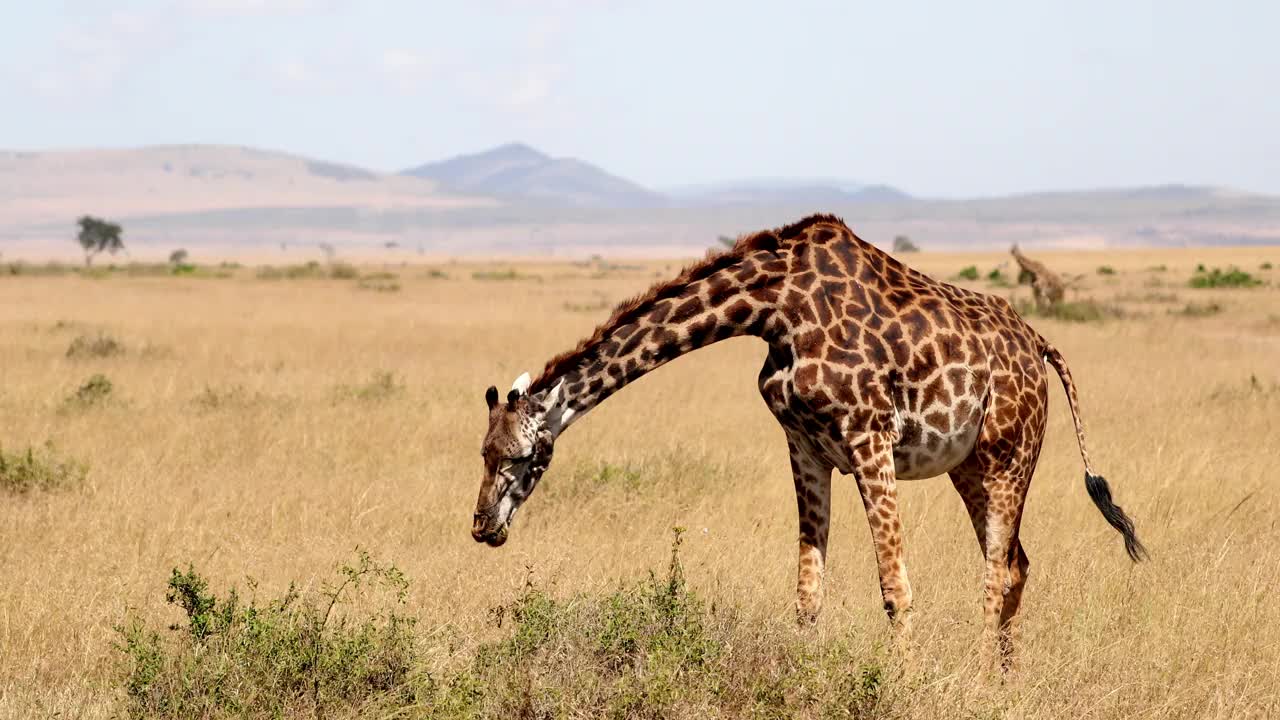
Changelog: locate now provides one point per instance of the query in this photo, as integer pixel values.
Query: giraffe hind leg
(1019, 567)
(994, 502)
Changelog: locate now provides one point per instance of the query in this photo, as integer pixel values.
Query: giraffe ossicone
(872, 369)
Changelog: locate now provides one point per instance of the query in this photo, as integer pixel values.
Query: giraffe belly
(925, 451)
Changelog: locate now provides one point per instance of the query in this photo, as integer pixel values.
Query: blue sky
(940, 98)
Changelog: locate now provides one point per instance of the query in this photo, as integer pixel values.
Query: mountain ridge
(516, 171)
(239, 196)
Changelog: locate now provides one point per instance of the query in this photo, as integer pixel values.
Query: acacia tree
(98, 235)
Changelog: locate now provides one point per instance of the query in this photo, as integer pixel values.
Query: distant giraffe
(1047, 287)
(873, 369)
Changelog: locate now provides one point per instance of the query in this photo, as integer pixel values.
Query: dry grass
(254, 447)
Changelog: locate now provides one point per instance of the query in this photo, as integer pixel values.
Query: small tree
(98, 235)
(903, 244)
(178, 257)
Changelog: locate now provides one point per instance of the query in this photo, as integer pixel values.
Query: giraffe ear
(491, 396)
(521, 384)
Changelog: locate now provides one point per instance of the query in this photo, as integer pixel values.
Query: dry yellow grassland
(252, 431)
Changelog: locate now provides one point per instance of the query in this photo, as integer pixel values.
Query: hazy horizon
(937, 100)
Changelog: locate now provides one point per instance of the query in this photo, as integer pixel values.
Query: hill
(515, 200)
(517, 172)
(54, 187)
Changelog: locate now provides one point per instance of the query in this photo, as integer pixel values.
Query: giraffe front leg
(813, 504)
(877, 484)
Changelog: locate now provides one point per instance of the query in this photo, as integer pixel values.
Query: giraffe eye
(510, 463)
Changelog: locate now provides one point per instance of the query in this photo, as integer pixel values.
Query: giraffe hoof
(806, 615)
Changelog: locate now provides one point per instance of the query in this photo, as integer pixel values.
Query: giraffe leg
(1019, 567)
(995, 583)
(813, 503)
(1005, 569)
(872, 462)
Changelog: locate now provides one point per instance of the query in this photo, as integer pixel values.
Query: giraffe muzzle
(482, 531)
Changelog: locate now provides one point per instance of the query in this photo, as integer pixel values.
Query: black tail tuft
(1101, 494)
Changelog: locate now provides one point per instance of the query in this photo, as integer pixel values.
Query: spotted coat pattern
(873, 369)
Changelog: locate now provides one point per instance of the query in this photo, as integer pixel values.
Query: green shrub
(94, 391)
(343, 271)
(379, 282)
(1158, 268)
(501, 275)
(610, 475)
(136, 269)
(652, 649)
(998, 278)
(1149, 297)
(436, 274)
(649, 649)
(98, 346)
(311, 269)
(1265, 266)
(184, 269)
(1106, 270)
(1218, 278)
(49, 269)
(21, 473)
(298, 654)
(968, 273)
(1194, 309)
(1081, 311)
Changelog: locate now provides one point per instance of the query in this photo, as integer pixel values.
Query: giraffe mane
(633, 308)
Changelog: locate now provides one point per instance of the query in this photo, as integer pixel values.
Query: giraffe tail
(1099, 490)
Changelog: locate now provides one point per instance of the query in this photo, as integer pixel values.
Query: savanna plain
(247, 492)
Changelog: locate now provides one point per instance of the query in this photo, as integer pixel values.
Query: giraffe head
(517, 450)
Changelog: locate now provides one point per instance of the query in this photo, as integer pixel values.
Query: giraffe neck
(722, 298)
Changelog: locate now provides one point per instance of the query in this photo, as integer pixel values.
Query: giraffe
(1047, 287)
(873, 369)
